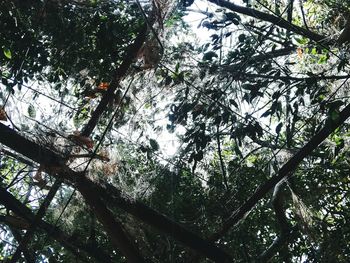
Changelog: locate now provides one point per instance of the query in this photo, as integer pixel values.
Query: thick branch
(27, 148)
(243, 76)
(146, 214)
(285, 171)
(272, 19)
(162, 223)
(17, 157)
(119, 74)
(272, 54)
(113, 227)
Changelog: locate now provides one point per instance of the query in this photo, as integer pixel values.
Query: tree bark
(113, 227)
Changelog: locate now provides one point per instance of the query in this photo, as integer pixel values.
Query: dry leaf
(81, 140)
(300, 52)
(103, 156)
(38, 175)
(150, 53)
(103, 86)
(2, 115)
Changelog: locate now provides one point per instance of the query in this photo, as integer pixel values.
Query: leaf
(334, 115)
(3, 116)
(235, 21)
(266, 113)
(198, 156)
(154, 144)
(241, 37)
(234, 103)
(232, 16)
(177, 67)
(209, 55)
(31, 111)
(279, 127)
(103, 86)
(81, 140)
(7, 53)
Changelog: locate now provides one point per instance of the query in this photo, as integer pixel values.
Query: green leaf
(7, 53)
(154, 144)
(31, 111)
(241, 37)
(209, 55)
(234, 103)
(279, 127)
(334, 115)
(198, 156)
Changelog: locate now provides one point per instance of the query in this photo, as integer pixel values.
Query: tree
(262, 106)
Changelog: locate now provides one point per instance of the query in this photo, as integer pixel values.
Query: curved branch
(287, 233)
(277, 203)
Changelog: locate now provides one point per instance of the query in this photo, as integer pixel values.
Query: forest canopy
(174, 131)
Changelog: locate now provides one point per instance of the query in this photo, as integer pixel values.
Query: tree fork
(54, 164)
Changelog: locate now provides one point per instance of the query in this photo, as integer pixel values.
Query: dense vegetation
(130, 133)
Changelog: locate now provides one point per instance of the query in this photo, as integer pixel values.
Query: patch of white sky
(169, 141)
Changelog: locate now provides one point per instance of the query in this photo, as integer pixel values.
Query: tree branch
(277, 244)
(222, 165)
(285, 171)
(25, 217)
(113, 227)
(244, 75)
(54, 166)
(272, 19)
(118, 75)
(28, 255)
(43, 207)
